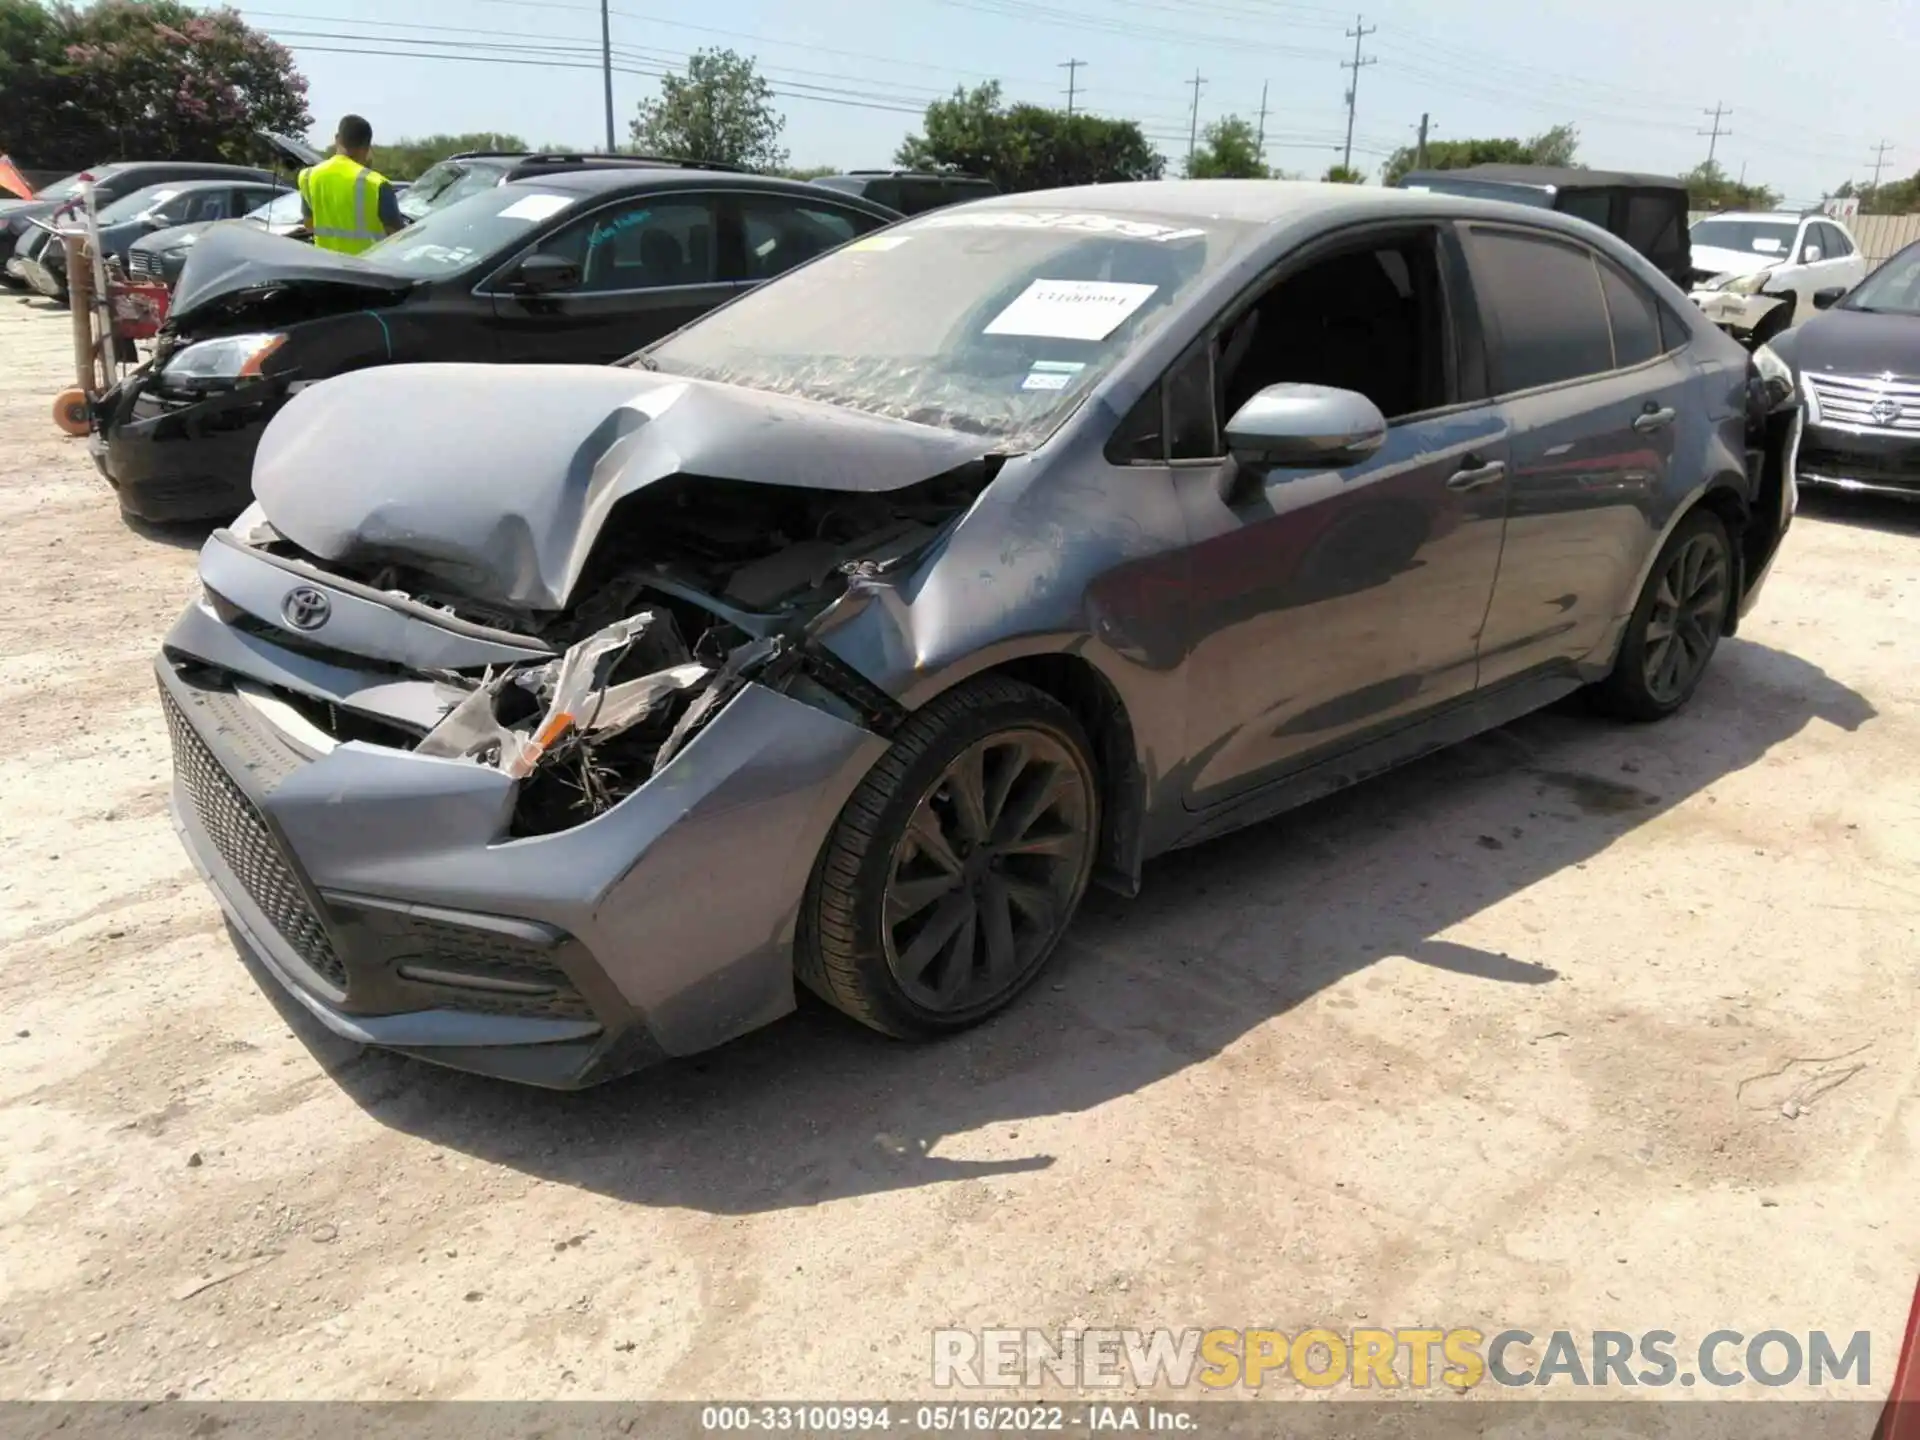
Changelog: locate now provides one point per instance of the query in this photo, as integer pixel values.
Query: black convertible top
(1550, 177)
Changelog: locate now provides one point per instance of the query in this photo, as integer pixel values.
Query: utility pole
(1359, 32)
(1072, 67)
(1879, 160)
(1420, 146)
(1193, 125)
(1260, 137)
(606, 65)
(1719, 113)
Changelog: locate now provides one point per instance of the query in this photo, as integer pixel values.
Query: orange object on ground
(12, 179)
(70, 411)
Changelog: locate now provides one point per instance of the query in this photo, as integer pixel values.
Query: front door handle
(1474, 475)
(1653, 420)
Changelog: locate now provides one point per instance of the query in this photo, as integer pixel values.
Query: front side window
(140, 202)
(643, 244)
(781, 234)
(993, 321)
(1548, 312)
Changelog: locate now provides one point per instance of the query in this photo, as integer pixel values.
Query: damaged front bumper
(176, 458)
(358, 822)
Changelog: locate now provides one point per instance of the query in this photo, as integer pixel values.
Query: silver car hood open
(496, 479)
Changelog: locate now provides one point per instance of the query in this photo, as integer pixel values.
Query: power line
(1072, 67)
(1359, 32)
(1713, 144)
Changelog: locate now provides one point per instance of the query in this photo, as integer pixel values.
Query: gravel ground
(1576, 1025)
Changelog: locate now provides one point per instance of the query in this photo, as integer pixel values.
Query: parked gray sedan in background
(545, 720)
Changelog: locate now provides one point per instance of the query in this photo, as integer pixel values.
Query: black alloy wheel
(957, 864)
(992, 858)
(1689, 607)
(1676, 625)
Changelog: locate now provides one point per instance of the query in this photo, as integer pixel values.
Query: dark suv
(578, 266)
(1649, 212)
(911, 191)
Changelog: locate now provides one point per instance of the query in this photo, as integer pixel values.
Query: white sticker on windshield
(1075, 221)
(1045, 380)
(879, 242)
(535, 207)
(1767, 245)
(1070, 309)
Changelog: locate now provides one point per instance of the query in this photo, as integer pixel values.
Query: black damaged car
(583, 267)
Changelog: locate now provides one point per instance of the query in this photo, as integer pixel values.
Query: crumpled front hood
(230, 260)
(496, 479)
(1714, 260)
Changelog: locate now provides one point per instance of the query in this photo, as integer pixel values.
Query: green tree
(1559, 147)
(1895, 197)
(1343, 175)
(720, 110)
(1028, 147)
(1229, 150)
(141, 80)
(407, 158)
(1710, 188)
(810, 172)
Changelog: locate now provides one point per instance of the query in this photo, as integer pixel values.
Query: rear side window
(1635, 316)
(1833, 242)
(1656, 227)
(1593, 206)
(1547, 312)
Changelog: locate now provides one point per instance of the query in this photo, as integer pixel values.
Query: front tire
(957, 865)
(1676, 626)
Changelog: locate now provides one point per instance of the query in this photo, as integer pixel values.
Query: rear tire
(957, 865)
(1676, 626)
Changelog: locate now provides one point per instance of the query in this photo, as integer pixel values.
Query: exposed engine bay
(695, 586)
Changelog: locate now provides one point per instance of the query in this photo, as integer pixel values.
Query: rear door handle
(1653, 420)
(1473, 476)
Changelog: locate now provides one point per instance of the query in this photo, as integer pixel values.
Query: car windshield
(132, 207)
(449, 240)
(991, 321)
(281, 210)
(1893, 289)
(67, 189)
(445, 183)
(1755, 237)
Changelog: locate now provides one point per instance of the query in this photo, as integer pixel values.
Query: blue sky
(1811, 87)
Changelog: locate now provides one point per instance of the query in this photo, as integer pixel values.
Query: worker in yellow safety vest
(346, 204)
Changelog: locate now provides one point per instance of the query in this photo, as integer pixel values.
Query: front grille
(240, 834)
(1853, 399)
(486, 955)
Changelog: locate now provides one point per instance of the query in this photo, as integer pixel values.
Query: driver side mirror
(1810, 254)
(1305, 426)
(1826, 299)
(542, 274)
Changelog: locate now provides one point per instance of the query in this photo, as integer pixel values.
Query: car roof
(606, 180)
(213, 170)
(216, 182)
(1254, 201)
(1789, 217)
(1553, 177)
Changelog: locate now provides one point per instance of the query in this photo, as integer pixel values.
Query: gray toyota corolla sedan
(546, 720)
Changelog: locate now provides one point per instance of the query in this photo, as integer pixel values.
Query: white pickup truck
(1755, 274)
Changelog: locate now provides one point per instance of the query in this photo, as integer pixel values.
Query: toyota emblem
(1885, 411)
(306, 608)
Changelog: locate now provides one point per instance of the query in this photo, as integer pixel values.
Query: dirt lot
(1510, 1038)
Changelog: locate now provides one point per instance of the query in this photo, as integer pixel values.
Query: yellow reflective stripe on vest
(339, 208)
